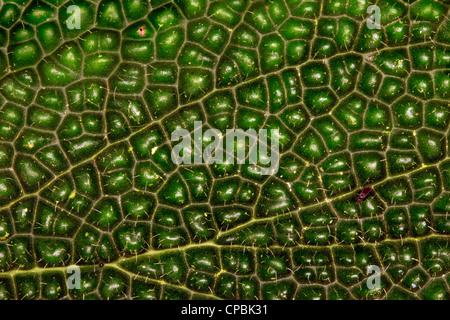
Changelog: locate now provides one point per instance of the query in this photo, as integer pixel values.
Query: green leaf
(88, 105)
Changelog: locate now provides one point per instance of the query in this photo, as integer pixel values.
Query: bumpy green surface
(86, 176)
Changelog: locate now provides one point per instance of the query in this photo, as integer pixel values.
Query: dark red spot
(141, 31)
(365, 192)
(101, 265)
